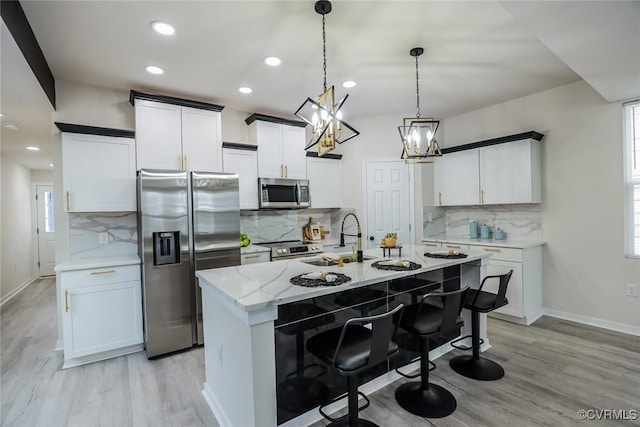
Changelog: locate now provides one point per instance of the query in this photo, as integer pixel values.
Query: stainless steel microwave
(276, 193)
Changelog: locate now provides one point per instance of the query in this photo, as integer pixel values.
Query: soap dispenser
(473, 229)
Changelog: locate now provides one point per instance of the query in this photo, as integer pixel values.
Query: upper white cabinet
(244, 161)
(455, 179)
(280, 144)
(98, 169)
(501, 171)
(325, 181)
(177, 134)
(510, 173)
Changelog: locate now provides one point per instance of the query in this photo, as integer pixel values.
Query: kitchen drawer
(100, 276)
(256, 257)
(504, 254)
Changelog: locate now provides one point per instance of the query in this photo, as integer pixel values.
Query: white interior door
(388, 209)
(46, 230)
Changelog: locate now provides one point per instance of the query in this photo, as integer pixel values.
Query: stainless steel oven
(293, 249)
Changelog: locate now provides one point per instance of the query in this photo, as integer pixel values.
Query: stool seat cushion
(486, 301)
(355, 349)
(427, 322)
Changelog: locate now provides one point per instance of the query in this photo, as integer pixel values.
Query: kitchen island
(241, 307)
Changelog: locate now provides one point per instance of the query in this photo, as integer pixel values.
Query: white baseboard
(593, 321)
(17, 290)
(216, 407)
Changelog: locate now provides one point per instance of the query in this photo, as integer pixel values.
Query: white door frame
(410, 189)
(34, 222)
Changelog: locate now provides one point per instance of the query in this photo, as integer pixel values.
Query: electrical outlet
(632, 290)
(103, 238)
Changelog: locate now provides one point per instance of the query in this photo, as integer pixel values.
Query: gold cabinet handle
(453, 247)
(482, 197)
(95, 273)
(440, 199)
(492, 250)
(68, 204)
(251, 256)
(185, 163)
(66, 301)
(179, 162)
(286, 171)
(281, 170)
(431, 244)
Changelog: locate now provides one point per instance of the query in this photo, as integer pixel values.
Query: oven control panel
(296, 250)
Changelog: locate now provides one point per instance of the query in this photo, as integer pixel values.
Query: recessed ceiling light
(50, 165)
(273, 61)
(348, 83)
(163, 28)
(245, 89)
(11, 126)
(154, 69)
(1, 115)
(31, 148)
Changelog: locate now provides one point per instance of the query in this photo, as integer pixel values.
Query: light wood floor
(554, 368)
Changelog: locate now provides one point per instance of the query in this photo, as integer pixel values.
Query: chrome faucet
(359, 235)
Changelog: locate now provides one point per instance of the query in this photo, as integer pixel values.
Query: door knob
(371, 238)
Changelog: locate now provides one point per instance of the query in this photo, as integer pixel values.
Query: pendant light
(419, 144)
(324, 114)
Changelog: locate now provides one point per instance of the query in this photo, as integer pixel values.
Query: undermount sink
(323, 262)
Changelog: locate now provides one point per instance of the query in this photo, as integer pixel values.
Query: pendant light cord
(324, 55)
(417, 91)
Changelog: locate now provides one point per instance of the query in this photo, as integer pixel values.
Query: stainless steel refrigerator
(187, 221)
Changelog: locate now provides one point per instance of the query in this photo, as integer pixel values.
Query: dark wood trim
(326, 156)
(18, 25)
(263, 117)
(134, 94)
(501, 140)
(239, 146)
(93, 130)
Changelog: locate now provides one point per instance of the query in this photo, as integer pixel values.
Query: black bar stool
(427, 320)
(352, 348)
(479, 301)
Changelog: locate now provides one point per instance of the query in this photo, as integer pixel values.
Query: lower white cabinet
(255, 258)
(101, 313)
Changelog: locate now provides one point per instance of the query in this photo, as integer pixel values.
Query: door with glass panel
(46, 230)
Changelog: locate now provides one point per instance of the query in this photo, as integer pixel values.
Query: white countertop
(258, 286)
(252, 249)
(506, 243)
(102, 262)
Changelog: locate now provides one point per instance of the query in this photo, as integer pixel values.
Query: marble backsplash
(84, 230)
(519, 222)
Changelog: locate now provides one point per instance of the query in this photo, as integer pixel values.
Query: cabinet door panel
(456, 179)
(244, 163)
(201, 140)
(158, 135)
(514, 289)
(293, 154)
(269, 139)
(505, 173)
(101, 318)
(325, 182)
(98, 173)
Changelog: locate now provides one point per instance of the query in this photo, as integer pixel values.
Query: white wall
(17, 229)
(584, 267)
(41, 176)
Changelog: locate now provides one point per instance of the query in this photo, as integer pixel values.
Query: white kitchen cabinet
(524, 291)
(255, 257)
(281, 151)
(177, 137)
(245, 164)
(510, 173)
(101, 313)
(325, 181)
(98, 173)
(503, 171)
(456, 179)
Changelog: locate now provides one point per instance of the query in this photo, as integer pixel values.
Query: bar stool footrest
(346, 416)
(432, 367)
(455, 344)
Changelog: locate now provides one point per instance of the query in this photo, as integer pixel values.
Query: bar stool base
(478, 369)
(434, 402)
(345, 423)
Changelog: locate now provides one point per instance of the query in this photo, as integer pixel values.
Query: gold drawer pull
(431, 244)
(252, 256)
(66, 301)
(492, 250)
(453, 247)
(95, 273)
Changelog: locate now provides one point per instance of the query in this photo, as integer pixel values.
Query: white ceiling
(477, 53)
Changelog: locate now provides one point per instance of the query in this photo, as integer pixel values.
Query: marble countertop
(101, 262)
(258, 286)
(506, 243)
(252, 249)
